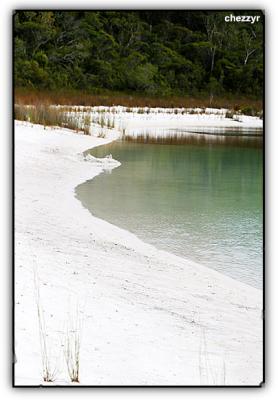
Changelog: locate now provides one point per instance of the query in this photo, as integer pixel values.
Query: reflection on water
(206, 139)
(202, 202)
(195, 134)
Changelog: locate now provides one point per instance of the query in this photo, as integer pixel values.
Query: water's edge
(88, 151)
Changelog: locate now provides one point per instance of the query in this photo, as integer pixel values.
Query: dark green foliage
(149, 52)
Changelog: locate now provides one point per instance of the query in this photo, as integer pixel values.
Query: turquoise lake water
(200, 200)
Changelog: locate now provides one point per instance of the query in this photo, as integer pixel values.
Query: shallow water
(200, 200)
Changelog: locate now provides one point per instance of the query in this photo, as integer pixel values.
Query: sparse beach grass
(47, 115)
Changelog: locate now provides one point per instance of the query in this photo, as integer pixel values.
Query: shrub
(248, 111)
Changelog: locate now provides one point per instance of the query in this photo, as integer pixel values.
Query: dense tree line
(152, 52)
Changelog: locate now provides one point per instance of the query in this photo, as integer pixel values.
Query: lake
(199, 199)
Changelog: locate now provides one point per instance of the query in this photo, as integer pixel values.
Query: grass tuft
(230, 114)
(72, 346)
(46, 115)
(49, 372)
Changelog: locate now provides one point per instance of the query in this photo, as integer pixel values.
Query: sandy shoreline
(148, 317)
(159, 121)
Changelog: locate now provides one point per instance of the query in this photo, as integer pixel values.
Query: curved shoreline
(137, 234)
(135, 294)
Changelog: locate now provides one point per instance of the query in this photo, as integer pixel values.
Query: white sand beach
(147, 317)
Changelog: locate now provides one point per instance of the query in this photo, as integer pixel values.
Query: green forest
(155, 53)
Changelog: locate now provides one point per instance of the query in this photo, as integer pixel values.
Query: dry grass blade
(210, 373)
(48, 371)
(72, 346)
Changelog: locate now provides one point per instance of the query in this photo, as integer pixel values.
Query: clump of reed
(47, 115)
(111, 122)
(41, 114)
(101, 120)
(86, 124)
(72, 346)
(230, 114)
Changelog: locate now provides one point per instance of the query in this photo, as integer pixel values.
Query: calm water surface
(201, 201)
